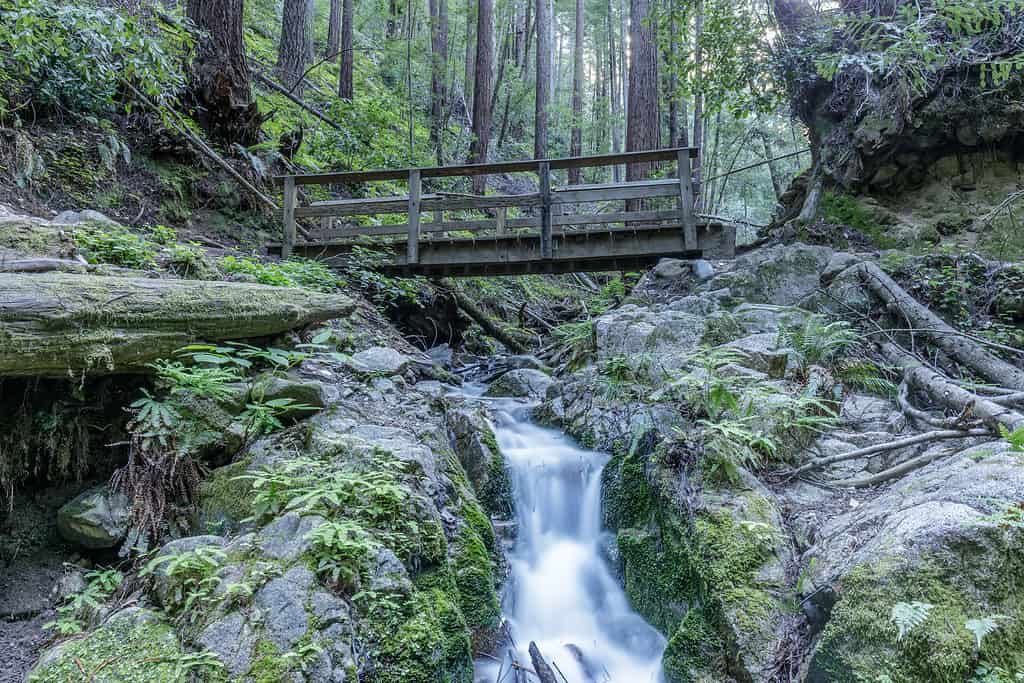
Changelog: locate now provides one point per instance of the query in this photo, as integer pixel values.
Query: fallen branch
(892, 472)
(944, 392)
(916, 414)
(490, 326)
(540, 667)
(41, 265)
(970, 354)
(291, 96)
(914, 440)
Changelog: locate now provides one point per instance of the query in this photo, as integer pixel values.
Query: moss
(694, 649)
(475, 581)
(268, 665)
(224, 500)
(859, 642)
(627, 497)
(846, 210)
(124, 649)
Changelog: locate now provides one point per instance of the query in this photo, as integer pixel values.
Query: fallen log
(493, 328)
(944, 392)
(70, 325)
(970, 354)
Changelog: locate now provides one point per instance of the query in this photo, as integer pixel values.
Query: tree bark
(698, 102)
(576, 142)
(643, 130)
(482, 88)
(220, 88)
(540, 121)
(295, 50)
(345, 88)
(470, 56)
(540, 666)
(334, 31)
(616, 87)
(68, 325)
(960, 349)
(438, 70)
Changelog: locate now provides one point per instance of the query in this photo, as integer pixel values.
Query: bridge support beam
(290, 195)
(686, 201)
(413, 246)
(544, 171)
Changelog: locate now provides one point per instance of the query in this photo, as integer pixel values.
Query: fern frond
(908, 616)
(984, 626)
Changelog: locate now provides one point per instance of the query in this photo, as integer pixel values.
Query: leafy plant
(264, 417)
(101, 243)
(77, 608)
(1016, 438)
(341, 549)
(154, 421)
(296, 272)
(205, 382)
(577, 341)
(733, 444)
(193, 579)
(816, 341)
(984, 626)
(909, 616)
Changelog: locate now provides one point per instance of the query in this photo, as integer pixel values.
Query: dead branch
(540, 666)
(489, 325)
(964, 351)
(893, 472)
(291, 96)
(41, 265)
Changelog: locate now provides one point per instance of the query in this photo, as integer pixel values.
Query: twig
(288, 93)
(891, 446)
(893, 472)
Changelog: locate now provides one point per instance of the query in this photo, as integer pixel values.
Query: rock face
(522, 383)
(368, 552)
(97, 519)
(717, 561)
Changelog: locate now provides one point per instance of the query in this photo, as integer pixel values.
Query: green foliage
(264, 417)
(295, 272)
(360, 270)
(866, 376)
(76, 56)
(908, 616)
(841, 209)
(984, 626)
(913, 46)
(818, 342)
(154, 421)
(193, 579)
(205, 382)
(577, 341)
(78, 608)
(102, 243)
(1016, 438)
(244, 356)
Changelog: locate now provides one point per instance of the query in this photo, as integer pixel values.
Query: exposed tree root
(540, 667)
(964, 351)
(490, 326)
(892, 472)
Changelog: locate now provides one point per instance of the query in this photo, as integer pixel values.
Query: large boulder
(96, 519)
(477, 448)
(523, 383)
(782, 275)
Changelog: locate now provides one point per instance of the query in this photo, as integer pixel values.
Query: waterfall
(561, 593)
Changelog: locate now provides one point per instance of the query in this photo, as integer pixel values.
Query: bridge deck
(553, 230)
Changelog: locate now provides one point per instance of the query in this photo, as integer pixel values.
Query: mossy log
(63, 324)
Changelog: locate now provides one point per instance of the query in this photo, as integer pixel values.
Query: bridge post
(686, 201)
(290, 194)
(544, 171)
(413, 246)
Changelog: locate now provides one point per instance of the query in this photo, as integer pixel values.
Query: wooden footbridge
(556, 229)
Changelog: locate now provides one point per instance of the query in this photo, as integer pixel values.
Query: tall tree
(438, 70)
(296, 48)
(221, 88)
(576, 143)
(540, 119)
(334, 31)
(482, 87)
(698, 99)
(616, 86)
(470, 77)
(643, 128)
(345, 90)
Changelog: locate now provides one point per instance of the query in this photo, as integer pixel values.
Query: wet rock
(475, 444)
(388, 574)
(97, 519)
(523, 383)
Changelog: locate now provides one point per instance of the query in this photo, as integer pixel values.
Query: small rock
(286, 538)
(97, 519)
(839, 262)
(283, 603)
(388, 574)
(761, 354)
(232, 640)
(523, 383)
(380, 360)
(702, 270)
(88, 215)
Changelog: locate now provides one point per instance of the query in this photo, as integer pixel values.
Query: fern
(984, 626)
(908, 616)
(817, 342)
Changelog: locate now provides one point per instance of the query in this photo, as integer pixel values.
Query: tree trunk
(345, 89)
(438, 70)
(616, 86)
(482, 88)
(470, 56)
(296, 48)
(220, 88)
(673, 85)
(540, 123)
(576, 144)
(65, 325)
(334, 31)
(766, 144)
(391, 27)
(698, 102)
(643, 130)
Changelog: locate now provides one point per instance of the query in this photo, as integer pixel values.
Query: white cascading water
(561, 593)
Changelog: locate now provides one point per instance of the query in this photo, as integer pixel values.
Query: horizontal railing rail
(547, 203)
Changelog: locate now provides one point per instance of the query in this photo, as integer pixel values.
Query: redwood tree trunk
(345, 90)
(296, 48)
(482, 87)
(470, 56)
(643, 129)
(438, 68)
(576, 143)
(540, 130)
(220, 90)
(334, 31)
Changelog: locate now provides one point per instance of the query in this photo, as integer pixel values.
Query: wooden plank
(650, 182)
(429, 202)
(413, 247)
(616, 193)
(544, 171)
(354, 177)
(500, 221)
(290, 195)
(686, 202)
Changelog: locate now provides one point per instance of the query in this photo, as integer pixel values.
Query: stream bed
(561, 593)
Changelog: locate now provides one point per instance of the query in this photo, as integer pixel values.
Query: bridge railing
(546, 204)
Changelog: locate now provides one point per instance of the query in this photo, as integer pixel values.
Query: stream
(561, 593)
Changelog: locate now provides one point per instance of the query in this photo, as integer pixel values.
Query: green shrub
(103, 243)
(301, 273)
